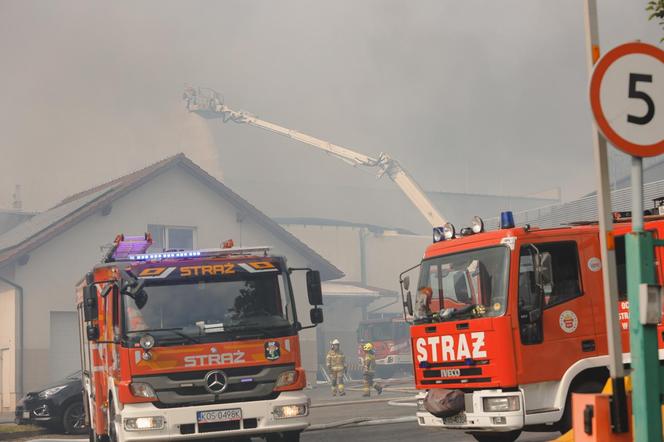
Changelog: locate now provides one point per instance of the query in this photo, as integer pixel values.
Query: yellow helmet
(367, 347)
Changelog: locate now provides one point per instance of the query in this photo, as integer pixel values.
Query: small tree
(656, 8)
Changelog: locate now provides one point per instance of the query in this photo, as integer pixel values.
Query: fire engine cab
(514, 319)
(192, 344)
(391, 340)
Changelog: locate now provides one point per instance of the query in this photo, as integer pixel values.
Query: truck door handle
(588, 413)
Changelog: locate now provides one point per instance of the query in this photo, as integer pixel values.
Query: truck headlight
(144, 423)
(140, 389)
(420, 405)
(286, 411)
(501, 403)
(286, 378)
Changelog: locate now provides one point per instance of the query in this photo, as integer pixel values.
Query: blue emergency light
(506, 220)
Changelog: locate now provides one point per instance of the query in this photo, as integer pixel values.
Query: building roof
(309, 221)
(382, 205)
(44, 226)
(348, 290)
(10, 218)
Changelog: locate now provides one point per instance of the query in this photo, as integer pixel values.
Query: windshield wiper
(473, 310)
(174, 330)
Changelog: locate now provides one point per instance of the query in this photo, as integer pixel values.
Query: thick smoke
(469, 95)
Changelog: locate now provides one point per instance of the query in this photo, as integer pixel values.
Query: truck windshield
(259, 303)
(381, 331)
(466, 284)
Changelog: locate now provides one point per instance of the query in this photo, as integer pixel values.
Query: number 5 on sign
(627, 98)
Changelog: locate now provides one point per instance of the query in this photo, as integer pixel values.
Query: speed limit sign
(627, 98)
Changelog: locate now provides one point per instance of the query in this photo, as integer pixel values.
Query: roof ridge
(128, 176)
(127, 183)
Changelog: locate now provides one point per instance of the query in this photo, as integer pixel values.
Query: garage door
(64, 353)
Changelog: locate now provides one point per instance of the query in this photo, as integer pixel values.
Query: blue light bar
(506, 220)
(199, 253)
(165, 255)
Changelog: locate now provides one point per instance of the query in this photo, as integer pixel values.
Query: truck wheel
(112, 429)
(73, 419)
(508, 436)
(565, 423)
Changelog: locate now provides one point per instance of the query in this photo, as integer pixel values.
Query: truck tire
(508, 436)
(112, 430)
(73, 419)
(565, 423)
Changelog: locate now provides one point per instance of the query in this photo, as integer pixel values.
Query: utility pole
(609, 273)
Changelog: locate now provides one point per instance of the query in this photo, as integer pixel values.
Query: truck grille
(244, 384)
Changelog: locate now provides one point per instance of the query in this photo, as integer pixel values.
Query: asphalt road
(376, 433)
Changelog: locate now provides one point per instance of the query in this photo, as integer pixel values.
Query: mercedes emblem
(216, 381)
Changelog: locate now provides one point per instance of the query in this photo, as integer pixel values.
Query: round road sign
(627, 98)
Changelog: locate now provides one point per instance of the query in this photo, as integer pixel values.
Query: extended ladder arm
(208, 104)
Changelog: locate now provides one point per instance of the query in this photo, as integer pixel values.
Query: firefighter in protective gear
(369, 370)
(336, 366)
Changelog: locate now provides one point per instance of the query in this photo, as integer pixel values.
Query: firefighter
(369, 370)
(336, 366)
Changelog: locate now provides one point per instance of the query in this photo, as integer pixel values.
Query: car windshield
(471, 283)
(260, 302)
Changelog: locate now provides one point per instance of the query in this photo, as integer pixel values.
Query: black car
(58, 406)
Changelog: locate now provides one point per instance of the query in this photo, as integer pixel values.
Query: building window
(172, 237)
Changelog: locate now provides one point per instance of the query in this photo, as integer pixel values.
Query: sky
(470, 96)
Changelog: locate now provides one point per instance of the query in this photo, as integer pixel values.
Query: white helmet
(335, 341)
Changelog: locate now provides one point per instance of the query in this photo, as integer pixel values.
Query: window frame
(164, 234)
(578, 269)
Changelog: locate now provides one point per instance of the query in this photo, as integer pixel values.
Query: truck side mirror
(140, 299)
(92, 332)
(406, 282)
(316, 315)
(90, 312)
(408, 304)
(314, 290)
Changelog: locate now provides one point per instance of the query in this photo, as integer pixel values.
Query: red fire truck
(391, 340)
(514, 319)
(192, 344)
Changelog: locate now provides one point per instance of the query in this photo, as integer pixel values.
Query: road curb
(365, 401)
(361, 422)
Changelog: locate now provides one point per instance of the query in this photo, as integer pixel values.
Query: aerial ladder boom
(208, 104)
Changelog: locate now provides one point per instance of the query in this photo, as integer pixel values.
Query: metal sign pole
(639, 245)
(609, 274)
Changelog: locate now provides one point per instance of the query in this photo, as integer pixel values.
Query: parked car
(58, 406)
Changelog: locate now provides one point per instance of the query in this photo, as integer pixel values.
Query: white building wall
(173, 198)
(8, 388)
(338, 244)
(387, 254)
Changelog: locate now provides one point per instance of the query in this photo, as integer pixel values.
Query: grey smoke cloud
(468, 95)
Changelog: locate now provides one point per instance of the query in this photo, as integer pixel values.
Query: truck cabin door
(555, 321)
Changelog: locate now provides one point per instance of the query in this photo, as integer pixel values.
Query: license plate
(227, 415)
(26, 415)
(457, 419)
